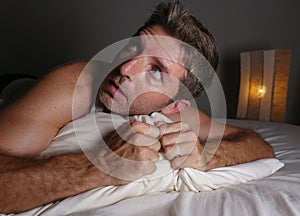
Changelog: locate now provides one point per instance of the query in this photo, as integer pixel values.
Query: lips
(113, 89)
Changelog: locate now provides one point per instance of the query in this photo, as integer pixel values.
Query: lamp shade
(264, 84)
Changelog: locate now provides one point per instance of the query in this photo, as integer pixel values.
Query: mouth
(115, 89)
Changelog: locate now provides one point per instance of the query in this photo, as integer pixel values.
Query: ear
(176, 106)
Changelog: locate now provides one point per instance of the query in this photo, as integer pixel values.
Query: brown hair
(181, 24)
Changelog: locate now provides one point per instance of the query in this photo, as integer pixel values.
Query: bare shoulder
(52, 96)
(29, 124)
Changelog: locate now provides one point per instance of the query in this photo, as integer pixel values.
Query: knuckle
(135, 125)
(151, 142)
(141, 150)
(156, 146)
(154, 131)
(163, 140)
(153, 157)
(162, 129)
(134, 139)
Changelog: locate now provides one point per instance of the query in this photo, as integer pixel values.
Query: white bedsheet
(278, 194)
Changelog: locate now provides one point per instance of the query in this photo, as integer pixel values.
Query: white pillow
(165, 178)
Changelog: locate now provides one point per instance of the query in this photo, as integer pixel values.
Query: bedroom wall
(39, 35)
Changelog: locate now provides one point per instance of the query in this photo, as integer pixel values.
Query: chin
(139, 111)
(122, 108)
(128, 111)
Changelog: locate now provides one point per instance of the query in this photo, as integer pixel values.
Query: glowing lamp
(264, 84)
(261, 91)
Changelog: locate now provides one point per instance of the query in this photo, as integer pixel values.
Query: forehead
(157, 42)
(160, 45)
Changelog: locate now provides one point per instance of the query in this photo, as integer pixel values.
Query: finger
(167, 128)
(144, 154)
(146, 129)
(124, 130)
(159, 123)
(178, 137)
(127, 130)
(142, 140)
(132, 153)
(156, 146)
(173, 151)
(134, 163)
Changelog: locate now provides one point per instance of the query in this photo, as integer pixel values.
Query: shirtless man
(28, 125)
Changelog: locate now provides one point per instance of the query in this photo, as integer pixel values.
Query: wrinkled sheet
(174, 180)
(278, 194)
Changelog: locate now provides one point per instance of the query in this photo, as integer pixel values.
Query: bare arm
(241, 146)
(28, 125)
(28, 183)
(227, 144)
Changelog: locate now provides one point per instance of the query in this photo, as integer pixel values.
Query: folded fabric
(84, 132)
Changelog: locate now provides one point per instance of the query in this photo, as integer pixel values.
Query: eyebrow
(165, 68)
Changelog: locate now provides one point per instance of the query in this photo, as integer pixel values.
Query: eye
(156, 72)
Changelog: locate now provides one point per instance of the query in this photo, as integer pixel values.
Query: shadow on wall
(231, 83)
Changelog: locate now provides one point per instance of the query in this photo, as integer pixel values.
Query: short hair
(180, 23)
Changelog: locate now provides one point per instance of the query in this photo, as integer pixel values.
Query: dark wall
(39, 35)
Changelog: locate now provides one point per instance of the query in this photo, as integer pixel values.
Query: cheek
(148, 102)
(153, 98)
(154, 92)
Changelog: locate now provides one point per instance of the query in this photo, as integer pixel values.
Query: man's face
(146, 82)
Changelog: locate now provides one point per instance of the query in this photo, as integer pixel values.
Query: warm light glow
(264, 84)
(261, 91)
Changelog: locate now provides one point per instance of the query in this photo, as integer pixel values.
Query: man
(28, 125)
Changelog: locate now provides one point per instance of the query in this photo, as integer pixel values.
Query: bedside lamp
(264, 84)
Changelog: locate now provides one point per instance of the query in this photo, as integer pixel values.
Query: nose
(131, 68)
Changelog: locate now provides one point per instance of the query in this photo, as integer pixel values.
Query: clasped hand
(136, 145)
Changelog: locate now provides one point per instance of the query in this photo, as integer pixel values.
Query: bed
(278, 194)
